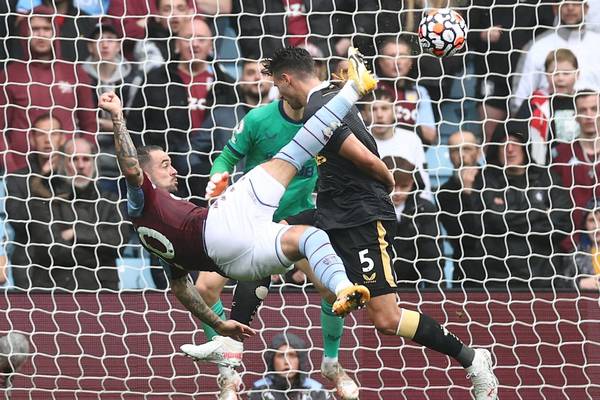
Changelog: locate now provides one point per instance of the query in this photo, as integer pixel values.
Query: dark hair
(143, 154)
(585, 93)
(294, 59)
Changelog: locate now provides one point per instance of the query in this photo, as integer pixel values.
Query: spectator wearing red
(414, 110)
(578, 163)
(41, 84)
(551, 112)
(71, 26)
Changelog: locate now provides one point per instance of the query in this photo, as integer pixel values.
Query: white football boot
(485, 383)
(221, 350)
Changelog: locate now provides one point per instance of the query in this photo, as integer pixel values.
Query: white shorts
(240, 235)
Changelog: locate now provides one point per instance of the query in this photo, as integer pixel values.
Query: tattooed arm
(188, 295)
(124, 148)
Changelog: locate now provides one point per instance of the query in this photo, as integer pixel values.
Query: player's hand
(110, 102)
(234, 330)
(217, 185)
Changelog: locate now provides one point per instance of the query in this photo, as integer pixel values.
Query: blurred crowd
(495, 151)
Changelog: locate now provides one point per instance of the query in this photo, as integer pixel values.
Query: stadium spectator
(465, 153)
(71, 26)
(584, 264)
(135, 16)
(412, 102)
(287, 372)
(172, 106)
(82, 231)
(36, 86)
(551, 112)
(392, 140)
(523, 210)
(416, 243)
(46, 138)
(571, 34)
(498, 30)
(577, 162)
(158, 47)
(252, 91)
(14, 352)
(266, 26)
(108, 71)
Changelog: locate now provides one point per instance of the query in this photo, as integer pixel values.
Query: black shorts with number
(367, 253)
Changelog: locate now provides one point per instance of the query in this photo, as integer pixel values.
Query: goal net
(497, 231)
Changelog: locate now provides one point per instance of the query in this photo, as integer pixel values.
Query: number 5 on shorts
(362, 255)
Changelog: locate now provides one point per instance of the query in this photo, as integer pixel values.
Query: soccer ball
(442, 32)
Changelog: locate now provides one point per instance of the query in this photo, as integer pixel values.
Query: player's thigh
(210, 285)
(265, 257)
(235, 220)
(367, 254)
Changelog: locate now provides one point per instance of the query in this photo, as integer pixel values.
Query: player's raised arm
(188, 295)
(124, 148)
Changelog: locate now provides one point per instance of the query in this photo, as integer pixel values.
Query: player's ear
(286, 78)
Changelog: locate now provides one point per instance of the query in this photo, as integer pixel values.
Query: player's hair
(561, 55)
(143, 154)
(289, 59)
(586, 93)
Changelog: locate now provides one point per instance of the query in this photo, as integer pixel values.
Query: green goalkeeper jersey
(257, 138)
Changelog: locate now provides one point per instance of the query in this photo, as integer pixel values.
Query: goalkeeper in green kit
(257, 138)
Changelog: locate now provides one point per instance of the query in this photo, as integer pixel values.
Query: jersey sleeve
(242, 139)
(225, 162)
(171, 271)
(342, 133)
(135, 200)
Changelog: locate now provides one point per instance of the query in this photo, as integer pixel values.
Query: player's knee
(384, 325)
(290, 242)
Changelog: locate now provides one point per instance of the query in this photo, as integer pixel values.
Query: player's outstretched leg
(389, 319)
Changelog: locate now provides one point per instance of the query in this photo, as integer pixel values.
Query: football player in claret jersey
(236, 236)
(355, 209)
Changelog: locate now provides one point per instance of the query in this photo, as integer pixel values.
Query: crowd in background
(495, 151)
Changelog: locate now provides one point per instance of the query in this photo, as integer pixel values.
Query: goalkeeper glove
(217, 184)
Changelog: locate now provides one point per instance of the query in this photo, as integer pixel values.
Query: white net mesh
(507, 261)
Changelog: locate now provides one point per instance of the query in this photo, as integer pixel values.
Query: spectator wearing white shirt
(570, 33)
(395, 141)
